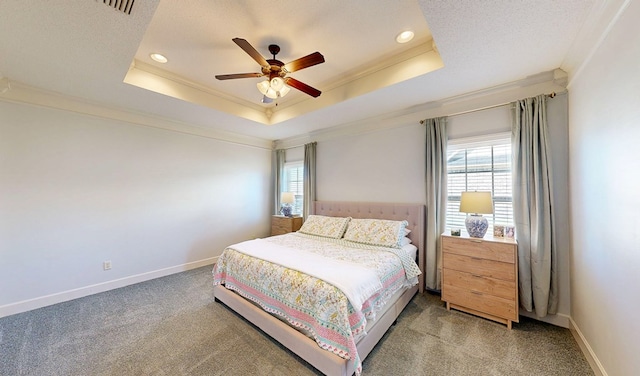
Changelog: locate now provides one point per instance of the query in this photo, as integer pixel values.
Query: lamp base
(286, 210)
(477, 225)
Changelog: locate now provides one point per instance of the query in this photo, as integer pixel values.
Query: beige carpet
(172, 326)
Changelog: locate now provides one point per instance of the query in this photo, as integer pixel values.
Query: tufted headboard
(412, 213)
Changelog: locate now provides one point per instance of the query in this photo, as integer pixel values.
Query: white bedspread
(358, 283)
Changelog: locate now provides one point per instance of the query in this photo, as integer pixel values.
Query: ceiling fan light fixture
(273, 89)
(405, 36)
(276, 85)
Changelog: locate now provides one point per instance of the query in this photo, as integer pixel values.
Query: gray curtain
(309, 178)
(436, 191)
(279, 157)
(533, 213)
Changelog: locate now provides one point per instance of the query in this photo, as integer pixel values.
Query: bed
(327, 345)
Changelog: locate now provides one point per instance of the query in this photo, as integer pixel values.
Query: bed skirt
(305, 347)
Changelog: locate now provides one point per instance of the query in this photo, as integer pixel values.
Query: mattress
(305, 300)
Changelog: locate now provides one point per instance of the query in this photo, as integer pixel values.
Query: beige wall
(77, 190)
(604, 113)
(382, 166)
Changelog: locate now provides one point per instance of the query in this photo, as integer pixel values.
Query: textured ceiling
(84, 49)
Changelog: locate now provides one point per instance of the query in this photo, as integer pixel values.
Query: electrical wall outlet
(106, 265)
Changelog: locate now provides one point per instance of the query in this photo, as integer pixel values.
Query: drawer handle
(476, 258)
(476, 292)
(476, 275)
(476, 241)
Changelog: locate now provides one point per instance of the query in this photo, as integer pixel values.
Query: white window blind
(480, 165)
(293, 182)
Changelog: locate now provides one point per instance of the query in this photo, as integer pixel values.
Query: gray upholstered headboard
(412, 213)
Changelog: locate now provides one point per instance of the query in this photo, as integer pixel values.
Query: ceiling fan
(277, 71)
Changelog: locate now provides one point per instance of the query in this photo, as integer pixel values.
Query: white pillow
(329, 227)
(404, 241)
(410, 250)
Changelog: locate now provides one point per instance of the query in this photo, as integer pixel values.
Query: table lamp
(476, 204)
(286, 198)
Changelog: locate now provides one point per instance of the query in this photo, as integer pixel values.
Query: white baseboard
(593, 360)
(566, 321)
(43, 301)
(559, 319)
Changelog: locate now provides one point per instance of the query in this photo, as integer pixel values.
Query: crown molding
(382, 63)
(163, 82)
(413, 63)
(23, 94)
(545, 82)
(600, 20)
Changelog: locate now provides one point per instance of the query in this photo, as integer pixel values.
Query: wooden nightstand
(282, 225)
(480, 276)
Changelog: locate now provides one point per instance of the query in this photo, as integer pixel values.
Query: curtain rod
(550, 95)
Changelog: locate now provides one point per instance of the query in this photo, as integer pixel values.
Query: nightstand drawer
(479, 248)
(284, 225)
(473, 281)
(279, 230)
(480, 302)
(479, 266)
(281, 227)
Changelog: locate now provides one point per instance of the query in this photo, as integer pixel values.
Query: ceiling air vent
(121, 5)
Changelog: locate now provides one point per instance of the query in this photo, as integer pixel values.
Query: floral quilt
(309, 303)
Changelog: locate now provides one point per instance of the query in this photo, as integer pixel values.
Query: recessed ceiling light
(159, 58)
(405, 36)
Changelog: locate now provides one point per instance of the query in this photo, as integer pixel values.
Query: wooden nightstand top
(488, 237)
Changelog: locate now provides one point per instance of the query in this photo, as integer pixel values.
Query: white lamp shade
(263, 86)
(476, 202)
(287, 198)
(285, 89)
(277, 83)
(271, 93)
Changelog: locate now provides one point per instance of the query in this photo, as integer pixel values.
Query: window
(293, 182)
(480, 165)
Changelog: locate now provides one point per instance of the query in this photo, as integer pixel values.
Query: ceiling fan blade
(238, 75)
(304, 62)
(302, 87)
(248, 48)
